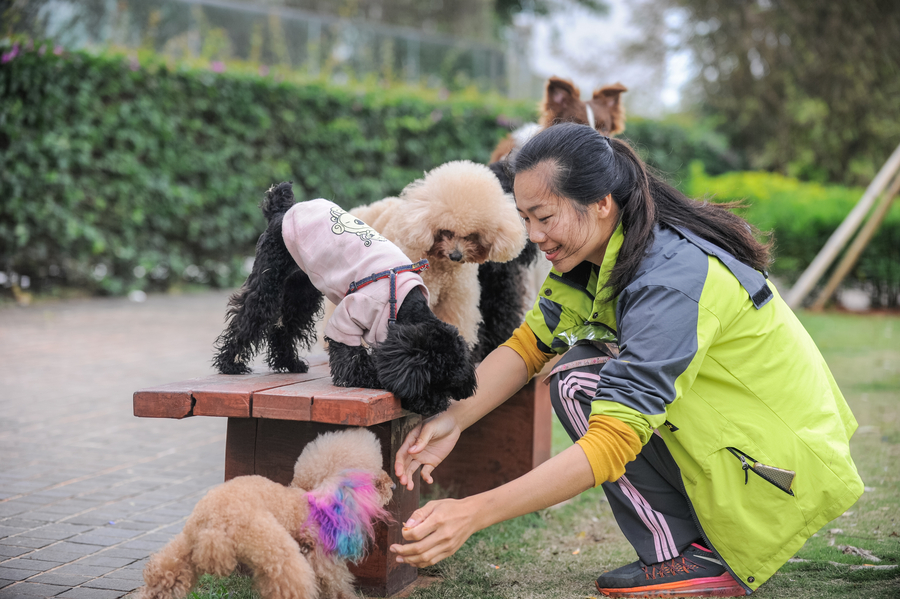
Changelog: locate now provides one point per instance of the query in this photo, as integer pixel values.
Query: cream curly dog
(457, 216)
(296, 541)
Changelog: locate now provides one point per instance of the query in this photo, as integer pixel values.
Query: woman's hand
(426, 445)
(435, 531)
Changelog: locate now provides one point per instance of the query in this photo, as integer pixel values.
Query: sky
(591, 53)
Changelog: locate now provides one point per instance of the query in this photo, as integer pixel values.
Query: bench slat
(290, 402)
(354, 406)
(172, 400)
(229, 395)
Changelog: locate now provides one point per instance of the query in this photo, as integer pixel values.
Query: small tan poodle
(457, 216)
(296, 539)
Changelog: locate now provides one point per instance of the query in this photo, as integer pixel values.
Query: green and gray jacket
(713, 358)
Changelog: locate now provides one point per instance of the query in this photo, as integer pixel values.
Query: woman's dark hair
(590, 166)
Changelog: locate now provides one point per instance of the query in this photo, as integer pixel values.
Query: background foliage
(121, 173)
(117, 176)
(806, 88)
(803, 216)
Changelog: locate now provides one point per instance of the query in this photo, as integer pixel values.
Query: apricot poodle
(297, 539)
(457, 216)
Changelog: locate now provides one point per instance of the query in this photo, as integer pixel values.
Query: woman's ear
(606, 206)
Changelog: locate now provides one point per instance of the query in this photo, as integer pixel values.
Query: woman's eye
(545, 219)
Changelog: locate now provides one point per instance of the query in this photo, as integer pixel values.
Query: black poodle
(504, 287)
(423, 361)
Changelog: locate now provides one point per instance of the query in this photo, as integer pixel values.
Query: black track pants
(647, 502)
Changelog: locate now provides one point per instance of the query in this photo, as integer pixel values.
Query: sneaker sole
(719, 586)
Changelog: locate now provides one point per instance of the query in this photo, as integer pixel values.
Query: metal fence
(220, 30)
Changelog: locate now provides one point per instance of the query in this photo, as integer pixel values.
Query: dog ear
(345, 509)
(560, 95)
(510, 236)
(610, 96)
(412, 226)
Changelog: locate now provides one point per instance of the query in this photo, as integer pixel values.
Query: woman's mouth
(552, 253)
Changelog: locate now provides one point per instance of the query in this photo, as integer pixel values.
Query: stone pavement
(88, 491)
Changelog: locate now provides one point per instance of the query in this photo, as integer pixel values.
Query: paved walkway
(88, 491)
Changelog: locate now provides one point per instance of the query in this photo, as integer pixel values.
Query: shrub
(802, 217)
(120, 173)
(670, 145)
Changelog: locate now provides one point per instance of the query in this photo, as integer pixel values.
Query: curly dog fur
(457, 216)
(507, 288)
(286, 535)
(423, 361)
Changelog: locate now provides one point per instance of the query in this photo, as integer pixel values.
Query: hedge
(118, 175)
(802, 216)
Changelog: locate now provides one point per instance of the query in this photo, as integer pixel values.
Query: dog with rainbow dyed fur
(297, 539)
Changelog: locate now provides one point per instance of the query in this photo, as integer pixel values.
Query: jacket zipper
(746, 466)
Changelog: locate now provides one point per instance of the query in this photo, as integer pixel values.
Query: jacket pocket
(779, 477)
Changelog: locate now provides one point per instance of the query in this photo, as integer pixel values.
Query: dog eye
(474, 238)
(444, 234)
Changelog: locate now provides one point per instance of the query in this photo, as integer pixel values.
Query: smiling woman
(567, 232)
(682, 373)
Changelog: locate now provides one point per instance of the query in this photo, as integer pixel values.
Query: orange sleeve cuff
(524, 343)
(609, 444)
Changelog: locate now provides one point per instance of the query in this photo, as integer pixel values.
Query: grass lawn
(560, 551)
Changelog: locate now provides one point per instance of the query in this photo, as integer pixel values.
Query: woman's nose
(536, 235)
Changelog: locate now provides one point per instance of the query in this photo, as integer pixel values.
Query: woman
(718, 434)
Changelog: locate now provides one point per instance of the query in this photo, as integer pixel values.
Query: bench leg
(507, 443)
(270, 448)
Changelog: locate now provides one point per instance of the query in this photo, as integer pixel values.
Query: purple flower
(58, 50)
(7, 56)
(263, 70)
(42, 49)
(217, 66)
(133, 63)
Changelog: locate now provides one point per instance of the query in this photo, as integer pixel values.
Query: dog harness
(392, 273)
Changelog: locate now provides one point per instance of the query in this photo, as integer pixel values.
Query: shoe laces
(672, 567)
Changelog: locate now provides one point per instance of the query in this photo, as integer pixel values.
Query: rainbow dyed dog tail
(345, 513)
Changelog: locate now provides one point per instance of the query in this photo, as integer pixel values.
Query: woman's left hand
(435, 531)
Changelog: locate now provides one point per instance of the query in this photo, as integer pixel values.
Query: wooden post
(858, 245)
(838, 239)
(508, 442)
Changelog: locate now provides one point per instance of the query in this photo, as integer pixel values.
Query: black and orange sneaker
(695, 573)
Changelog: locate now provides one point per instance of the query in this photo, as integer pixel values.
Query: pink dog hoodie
(335, 249)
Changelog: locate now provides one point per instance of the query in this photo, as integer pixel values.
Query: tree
(481, 20)
(809, 88)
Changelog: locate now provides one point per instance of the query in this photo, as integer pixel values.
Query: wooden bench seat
(272, 416)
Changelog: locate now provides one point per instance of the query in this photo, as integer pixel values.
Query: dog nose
(456, 255)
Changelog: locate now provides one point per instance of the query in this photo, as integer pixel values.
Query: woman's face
(565, 235)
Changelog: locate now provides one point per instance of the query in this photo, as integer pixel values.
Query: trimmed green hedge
(802, 217)
(672, 144)
(123, 172)
(115, 176)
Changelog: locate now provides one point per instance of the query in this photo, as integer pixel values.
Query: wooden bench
(272, 416)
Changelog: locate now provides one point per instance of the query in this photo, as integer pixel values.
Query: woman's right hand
(426, 445)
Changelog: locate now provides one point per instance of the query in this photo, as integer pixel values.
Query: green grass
(558, 552)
